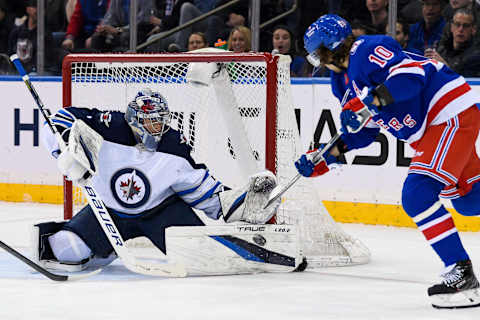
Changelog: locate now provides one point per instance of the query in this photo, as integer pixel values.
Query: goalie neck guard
(149, 117)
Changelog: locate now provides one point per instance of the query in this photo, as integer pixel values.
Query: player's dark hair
(465, 11)
(338, 56)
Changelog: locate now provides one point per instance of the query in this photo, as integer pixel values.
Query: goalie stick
(98, 207)
(42, 270)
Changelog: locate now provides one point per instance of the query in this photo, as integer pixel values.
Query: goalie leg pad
(239, 249)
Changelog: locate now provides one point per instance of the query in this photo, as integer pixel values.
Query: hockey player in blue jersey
(147, 179)
(422, 102)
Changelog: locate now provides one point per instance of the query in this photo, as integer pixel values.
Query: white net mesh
(222, 112)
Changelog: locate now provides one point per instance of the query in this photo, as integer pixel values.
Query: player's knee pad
(469, 204)
(420, 193)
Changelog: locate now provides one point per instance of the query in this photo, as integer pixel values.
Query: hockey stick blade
(42, 270)
(277, 194)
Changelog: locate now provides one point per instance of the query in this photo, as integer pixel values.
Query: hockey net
(235, 111)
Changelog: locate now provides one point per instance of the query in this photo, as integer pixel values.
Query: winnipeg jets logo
(130, 187)
(105, 118)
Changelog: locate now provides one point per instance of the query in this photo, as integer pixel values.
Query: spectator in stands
(238, 15)
(453, 5)
(367, 16)
(6, 25)
(197, 40)
(55, 18)
(83, 22)
(411, 12)
(113, 34)
(182, 12)
(448, 11)
(354, 10)
(378, 14)
(233, 16)
(459, 52)
(284, 42)
(22, 41)
(69, 9)
(17, 9)
(427, 33)
(402, 35)
(240, 39)
(360, 28)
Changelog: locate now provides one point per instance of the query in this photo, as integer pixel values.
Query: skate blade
(464, 299)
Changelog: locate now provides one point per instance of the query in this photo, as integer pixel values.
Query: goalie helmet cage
(235, 111)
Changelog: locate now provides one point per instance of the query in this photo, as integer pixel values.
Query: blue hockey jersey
(131, 180)
(425, 92)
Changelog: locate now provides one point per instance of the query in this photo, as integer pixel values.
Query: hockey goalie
(143, 171)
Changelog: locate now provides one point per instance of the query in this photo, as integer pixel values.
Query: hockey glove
(307, 166)
(70, 167)
(358, 111)
(247, 204)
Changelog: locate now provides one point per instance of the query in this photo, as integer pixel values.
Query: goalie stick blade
(42, 270)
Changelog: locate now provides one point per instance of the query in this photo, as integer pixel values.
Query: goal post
(235, 111)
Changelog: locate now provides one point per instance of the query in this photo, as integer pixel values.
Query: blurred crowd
(439, 29)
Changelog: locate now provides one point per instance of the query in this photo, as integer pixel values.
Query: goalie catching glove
(247, 203)
(78, 161)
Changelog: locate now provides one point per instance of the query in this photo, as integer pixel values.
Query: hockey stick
(316, 158)
(98, 207)
(42, 270)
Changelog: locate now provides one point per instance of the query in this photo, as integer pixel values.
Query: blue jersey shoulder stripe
(62, 122)
(207, 195)
(184, 192)
(66, 114)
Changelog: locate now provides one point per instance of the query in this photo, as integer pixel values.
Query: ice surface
(393, 286)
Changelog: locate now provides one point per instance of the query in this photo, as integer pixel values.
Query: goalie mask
(149, 117)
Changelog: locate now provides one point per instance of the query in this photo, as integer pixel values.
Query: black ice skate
(459, 288)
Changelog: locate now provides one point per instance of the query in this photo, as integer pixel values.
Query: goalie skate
(459, 289)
